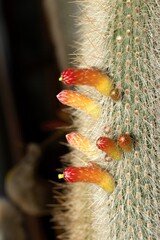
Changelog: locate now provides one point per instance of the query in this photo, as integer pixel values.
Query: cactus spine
(121, 38)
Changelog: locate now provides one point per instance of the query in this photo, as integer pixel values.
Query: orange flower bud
(125, 142)
(90, 175)
(90, 77)
(110, 147)
(79, 101)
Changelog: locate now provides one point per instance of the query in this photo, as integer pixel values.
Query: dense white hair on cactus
(122, 37)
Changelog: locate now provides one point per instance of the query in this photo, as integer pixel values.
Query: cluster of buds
(102, 83)
(90, 77)
(94, 174)
(113, 149)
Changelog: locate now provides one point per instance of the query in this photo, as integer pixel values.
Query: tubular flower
(79, 101)
(110, 147)
(89, 175)
(80, 142)
(90, 77)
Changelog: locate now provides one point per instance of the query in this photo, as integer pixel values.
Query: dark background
(29, 72)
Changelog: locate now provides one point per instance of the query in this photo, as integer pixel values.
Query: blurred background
(36, 42)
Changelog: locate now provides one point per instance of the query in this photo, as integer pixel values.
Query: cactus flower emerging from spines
(90, 77)
(80, 142)
(79, 101)
(110, 147)
(90, 175)
(125, 142)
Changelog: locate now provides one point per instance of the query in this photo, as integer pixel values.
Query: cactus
(120, 38)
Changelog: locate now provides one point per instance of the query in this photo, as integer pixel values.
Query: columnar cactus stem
(121, 38)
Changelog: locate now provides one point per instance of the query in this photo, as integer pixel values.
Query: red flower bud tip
(125, 142)
(90, 77)
(115, 94)
(80, 142)
(79, 101)
(90, 175)
(110, 147)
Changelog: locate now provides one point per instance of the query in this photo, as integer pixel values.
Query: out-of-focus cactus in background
(11, 222)
(120, 38)
(23, 185)
(29, 68)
